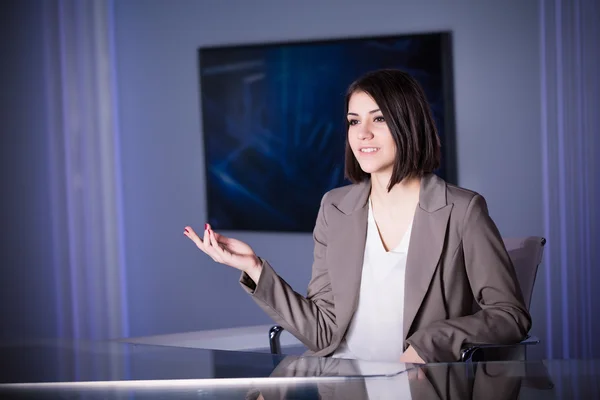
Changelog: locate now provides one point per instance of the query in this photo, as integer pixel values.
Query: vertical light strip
(81, 53)
(560, 121)
(51, 39)
(582, 179)
(546, 180)
(593, 129)
(53, 157)
(118, 169)
(71, 233)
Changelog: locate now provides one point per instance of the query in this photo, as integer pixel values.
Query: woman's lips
(368, 150)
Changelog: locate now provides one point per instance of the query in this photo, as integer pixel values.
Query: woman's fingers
(217, 250)
(189, 232)
(208, 249)
(220, 238)
(203, 244)
(221, 247)
(206, 239)
(214, 245)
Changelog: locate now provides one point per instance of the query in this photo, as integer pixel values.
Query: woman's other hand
(411, 356)
(228, 251)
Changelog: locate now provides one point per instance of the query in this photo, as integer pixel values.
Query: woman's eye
(379, 119)
(353, 122)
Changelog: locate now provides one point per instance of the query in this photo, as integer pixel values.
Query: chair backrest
(526, 255)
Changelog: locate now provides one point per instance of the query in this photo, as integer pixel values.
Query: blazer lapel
(349, 251)
(426, 245)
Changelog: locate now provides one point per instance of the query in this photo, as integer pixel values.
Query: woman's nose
(364, 133)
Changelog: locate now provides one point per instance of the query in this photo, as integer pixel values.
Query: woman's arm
(503, 318)
(311, 319)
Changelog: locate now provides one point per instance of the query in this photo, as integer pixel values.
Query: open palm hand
(225, 250)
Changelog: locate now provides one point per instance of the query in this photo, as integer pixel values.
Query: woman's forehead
(360, 101)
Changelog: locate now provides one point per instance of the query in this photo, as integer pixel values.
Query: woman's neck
(403, 194)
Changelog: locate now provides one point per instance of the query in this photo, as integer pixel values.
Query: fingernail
(186, 230)
(205, 226)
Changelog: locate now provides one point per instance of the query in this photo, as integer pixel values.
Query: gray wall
(172, 287)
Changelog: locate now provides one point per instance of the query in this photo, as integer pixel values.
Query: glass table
(110, 370)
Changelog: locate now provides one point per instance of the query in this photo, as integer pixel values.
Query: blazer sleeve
(312, 318)
(503, 318)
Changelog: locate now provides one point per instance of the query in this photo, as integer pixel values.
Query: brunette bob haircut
(408, 116)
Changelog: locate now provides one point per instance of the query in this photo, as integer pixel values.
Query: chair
(526, 255)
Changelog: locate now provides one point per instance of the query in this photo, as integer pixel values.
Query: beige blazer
(456, 259)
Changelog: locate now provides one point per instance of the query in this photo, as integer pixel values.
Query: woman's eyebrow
(370, 112)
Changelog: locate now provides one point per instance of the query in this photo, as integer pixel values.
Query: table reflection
(501, 381)
(115, 371)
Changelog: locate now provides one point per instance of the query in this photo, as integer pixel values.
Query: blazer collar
(433, 193)
(432, 196)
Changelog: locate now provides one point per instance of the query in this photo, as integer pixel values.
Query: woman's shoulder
(459, 194)
(345, 199)
(436, 191)
(348, 196)
(339, 193)
(465, 200)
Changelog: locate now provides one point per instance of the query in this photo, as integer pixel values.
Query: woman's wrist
(255, 270)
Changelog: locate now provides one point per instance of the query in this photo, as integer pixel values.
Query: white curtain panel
(84, 170)
(570, 84)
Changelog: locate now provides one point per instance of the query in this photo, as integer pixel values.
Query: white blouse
(376, 330)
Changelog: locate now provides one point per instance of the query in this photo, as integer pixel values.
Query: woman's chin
(367, 167)
(370, 168)
(376, 169)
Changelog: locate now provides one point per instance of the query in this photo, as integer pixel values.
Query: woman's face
(369, 136)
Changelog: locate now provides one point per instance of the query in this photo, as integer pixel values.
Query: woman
(400, 257)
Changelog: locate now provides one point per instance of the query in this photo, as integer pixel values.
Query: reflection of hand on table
(417, 374)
